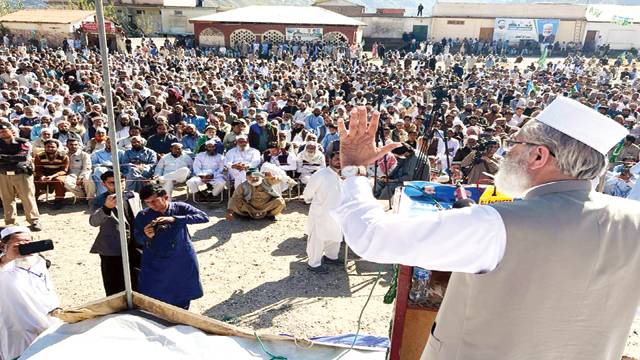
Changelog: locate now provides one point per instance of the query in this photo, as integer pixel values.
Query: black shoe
(318, 269)
(201, 196)
(35, 227)
(326, 260)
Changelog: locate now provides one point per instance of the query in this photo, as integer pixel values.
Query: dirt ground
(253, 274)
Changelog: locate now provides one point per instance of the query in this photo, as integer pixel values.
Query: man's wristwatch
(352, 170)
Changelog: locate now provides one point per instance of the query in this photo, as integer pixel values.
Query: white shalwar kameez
(205, 164)
(27, 295)
(323, 192)
(249, 157)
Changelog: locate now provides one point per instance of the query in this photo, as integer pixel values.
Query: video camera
(481, 148)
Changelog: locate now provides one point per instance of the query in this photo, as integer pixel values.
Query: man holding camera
(107, 243)
(16, 177)
(27, 294)
(169, 268)
(480, 162)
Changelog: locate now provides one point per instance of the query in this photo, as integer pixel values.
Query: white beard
(512, 178)
(255, 183)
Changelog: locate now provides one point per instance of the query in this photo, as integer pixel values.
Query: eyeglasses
(511, 143)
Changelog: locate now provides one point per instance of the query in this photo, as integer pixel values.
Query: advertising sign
(541, 30)
(93, 27)
(303, 34)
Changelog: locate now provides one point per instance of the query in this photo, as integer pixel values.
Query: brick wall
(259, 29)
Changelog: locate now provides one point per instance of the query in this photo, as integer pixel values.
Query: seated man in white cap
(240, 159)
(173, 168)
(553, 274)
(208, 169)
(310, 160)
(255, 199)
(27, 294)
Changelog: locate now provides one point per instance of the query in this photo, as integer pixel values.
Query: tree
(9, 6)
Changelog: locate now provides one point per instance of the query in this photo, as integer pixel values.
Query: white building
(54, 25)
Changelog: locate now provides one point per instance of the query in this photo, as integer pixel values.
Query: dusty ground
(253, 274)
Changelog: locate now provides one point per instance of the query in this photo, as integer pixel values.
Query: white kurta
(323, 192)
(468, 240)
(27, 295)
(205, 164)
(250, 157)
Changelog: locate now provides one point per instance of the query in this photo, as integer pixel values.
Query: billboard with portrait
(514, 30)
(303, 34)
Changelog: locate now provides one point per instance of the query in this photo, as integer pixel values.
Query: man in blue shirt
(161, 141)
(331, 136)
(199, 121)
(169, 267)
(314, 120)
(138, 162)
(101, 163)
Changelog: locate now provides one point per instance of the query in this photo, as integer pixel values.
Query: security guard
(16, 177)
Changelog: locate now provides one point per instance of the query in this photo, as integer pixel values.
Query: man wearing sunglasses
(552, 276)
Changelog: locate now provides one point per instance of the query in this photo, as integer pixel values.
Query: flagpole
(106, 88)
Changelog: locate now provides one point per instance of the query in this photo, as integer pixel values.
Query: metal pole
(106, 88)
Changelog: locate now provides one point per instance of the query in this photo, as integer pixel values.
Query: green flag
(543, 57)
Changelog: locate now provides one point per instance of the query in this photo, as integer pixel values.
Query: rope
(390, 296)
(355, 339)
(264, 349)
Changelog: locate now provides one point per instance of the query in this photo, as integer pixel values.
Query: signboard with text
(93, 27)
(303, 34)
(514, 30)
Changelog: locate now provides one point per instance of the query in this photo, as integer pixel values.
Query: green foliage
(9, 6)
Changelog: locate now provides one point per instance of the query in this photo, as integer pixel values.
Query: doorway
(486, 34)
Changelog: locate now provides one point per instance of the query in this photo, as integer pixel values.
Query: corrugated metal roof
(47, 16)
(307, 15)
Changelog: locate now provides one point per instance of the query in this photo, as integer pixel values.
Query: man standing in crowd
(169, 267)
(16, 177)
(27, 294)
(107, 243)
(481, 162)
(324, 235)
(255, 199)
(560, 229)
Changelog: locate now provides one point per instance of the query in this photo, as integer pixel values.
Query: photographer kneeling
(481, 160)
(27, 294)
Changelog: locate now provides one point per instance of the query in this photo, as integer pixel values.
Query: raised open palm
(357, 145)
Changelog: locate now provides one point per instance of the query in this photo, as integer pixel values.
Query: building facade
(275, 24)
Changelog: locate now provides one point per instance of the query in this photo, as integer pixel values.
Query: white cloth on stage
(205, 164)
(323, 192)
(250, 157)
(27, 295)
(280, 174)
(469, 240)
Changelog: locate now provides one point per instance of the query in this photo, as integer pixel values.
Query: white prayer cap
(210, 142)
(10, 230)
(583, 124)
(241, 137)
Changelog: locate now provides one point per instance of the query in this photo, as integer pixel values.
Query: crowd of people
(252, 129)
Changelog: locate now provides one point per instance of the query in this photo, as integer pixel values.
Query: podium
(412, 323)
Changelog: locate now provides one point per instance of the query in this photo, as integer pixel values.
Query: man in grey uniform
(553, 276)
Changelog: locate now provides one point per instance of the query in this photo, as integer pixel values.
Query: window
(455, 22)
(140, 12)
(177, 12)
